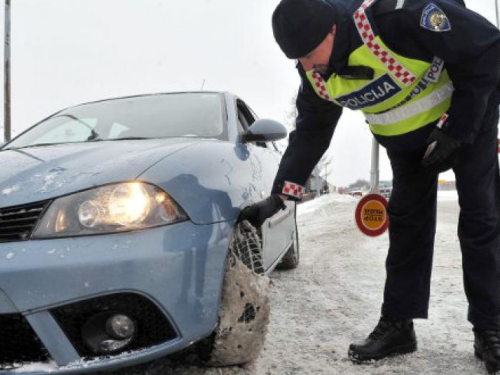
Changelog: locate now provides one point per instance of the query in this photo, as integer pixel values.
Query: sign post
(371, 212)
(374, 173)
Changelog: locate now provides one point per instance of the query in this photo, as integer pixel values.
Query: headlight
(108, 209)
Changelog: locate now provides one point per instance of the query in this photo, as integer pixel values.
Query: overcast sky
(65, 52)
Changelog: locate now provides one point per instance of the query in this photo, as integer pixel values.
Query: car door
(276, 231)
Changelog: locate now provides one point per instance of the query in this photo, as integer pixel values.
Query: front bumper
(177, 269)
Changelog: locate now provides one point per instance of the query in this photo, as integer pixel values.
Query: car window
(241, 128)
(242, 123)
(180, 115)
(245, 113)
(117, 130)
(246, 117)
(67, 129)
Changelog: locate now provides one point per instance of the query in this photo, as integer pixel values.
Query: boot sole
(399, 350)
(491, 367)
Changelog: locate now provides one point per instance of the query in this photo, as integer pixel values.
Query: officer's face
(318, 59)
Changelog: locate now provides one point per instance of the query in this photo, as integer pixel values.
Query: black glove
(441, 154)
(257, 213)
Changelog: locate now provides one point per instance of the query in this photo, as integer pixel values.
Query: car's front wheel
(245, 305)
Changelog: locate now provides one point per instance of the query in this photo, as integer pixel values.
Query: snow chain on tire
(245, 305)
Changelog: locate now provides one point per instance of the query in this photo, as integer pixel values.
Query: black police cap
(299, 26)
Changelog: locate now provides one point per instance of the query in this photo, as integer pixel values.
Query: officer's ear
(333, 32)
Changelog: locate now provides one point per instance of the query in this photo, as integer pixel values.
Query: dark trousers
(412, 215)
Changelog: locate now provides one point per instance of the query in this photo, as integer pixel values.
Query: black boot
(390, 337)
(487, 348)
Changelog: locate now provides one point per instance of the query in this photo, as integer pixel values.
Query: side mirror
(264, 130)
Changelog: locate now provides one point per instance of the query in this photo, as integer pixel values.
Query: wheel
(291, 259)
(245, 305)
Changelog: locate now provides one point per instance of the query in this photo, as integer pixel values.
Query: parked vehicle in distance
(385, 189)
(356, 193)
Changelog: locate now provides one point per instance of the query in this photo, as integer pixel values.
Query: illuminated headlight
(112, 208)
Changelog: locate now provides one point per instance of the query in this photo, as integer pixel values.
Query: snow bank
(324, 204)
(451, 195)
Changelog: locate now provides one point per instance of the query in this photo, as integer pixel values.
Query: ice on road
(334, 298)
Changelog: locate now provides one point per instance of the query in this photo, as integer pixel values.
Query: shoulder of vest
(387, 6)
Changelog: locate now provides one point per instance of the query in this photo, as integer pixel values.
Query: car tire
(291, 258)
(245, 304)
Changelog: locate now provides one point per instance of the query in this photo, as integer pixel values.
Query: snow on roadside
(447, 195)
(334, 298)
(324, 203)
(36, 368)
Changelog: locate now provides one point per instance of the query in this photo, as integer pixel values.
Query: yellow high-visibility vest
(404, 94)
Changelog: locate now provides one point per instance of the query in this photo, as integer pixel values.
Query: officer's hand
(441, 154)
(257, 213)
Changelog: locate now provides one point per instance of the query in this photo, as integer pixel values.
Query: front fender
(214, 180)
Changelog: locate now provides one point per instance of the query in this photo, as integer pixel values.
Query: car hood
(39, 173)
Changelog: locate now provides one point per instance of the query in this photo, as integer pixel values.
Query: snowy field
(334, 298)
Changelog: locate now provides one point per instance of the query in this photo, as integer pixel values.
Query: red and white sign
(371, 215)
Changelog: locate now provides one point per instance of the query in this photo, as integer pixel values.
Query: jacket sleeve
(315, 124)
(471, 52)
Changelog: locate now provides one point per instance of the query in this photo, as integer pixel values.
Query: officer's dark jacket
(471, 51)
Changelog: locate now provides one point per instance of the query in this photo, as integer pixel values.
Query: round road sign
(371, 215)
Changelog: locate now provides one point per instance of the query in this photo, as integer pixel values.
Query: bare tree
(291, 113)
(360, 184)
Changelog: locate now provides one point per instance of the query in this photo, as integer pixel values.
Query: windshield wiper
(35, 145)
(93, 136)
(127, 138)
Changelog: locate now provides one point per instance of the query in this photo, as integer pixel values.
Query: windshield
(193, 115)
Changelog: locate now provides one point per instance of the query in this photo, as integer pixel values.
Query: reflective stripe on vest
(404, 94)
(365, 30)
(412, 108)
(320, 85)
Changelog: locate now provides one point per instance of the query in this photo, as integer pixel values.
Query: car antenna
(203, 84)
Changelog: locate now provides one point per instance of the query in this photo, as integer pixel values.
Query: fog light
(120, 327)
(108, 332)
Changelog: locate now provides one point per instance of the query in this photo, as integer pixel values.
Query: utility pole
(374, 173)
(318, 182)
(326, 172)
(326, 176)
(7, 123)
(496, 13)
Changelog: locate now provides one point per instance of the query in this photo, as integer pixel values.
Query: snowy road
(334, 298)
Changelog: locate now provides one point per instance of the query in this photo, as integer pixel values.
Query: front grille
(17, 223)
(153, 327)
(18, 343)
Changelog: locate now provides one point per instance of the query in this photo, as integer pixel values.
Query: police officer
(424, 73)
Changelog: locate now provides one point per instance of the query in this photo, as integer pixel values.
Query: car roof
(154, 94)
